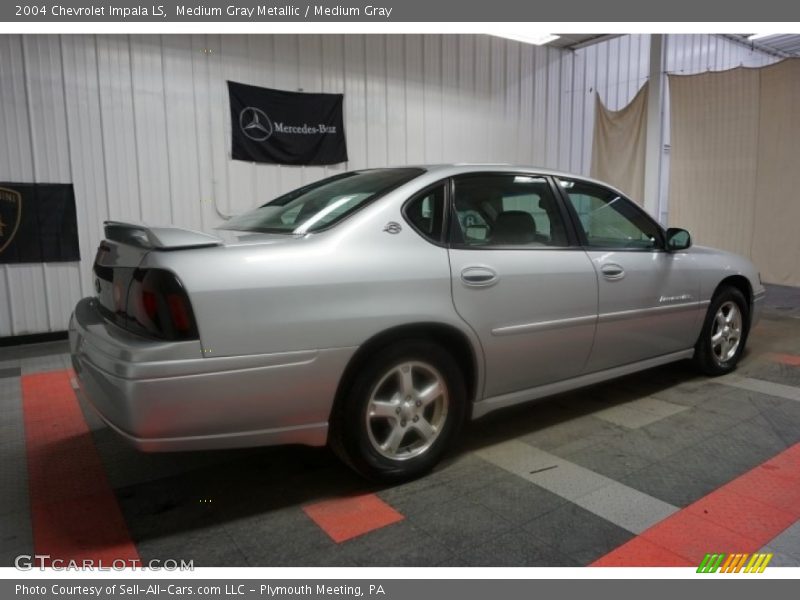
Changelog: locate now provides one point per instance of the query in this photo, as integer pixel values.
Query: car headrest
(514, 227)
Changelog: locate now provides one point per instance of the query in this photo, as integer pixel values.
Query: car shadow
(166, 494)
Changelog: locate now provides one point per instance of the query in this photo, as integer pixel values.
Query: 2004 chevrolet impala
(377, 310)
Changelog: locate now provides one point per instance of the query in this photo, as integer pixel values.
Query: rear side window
(426, 212)
(321, 204)
(506, 210)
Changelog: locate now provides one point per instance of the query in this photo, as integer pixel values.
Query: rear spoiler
(158, 238)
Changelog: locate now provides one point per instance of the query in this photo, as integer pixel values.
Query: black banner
(286, 128)
(38, 223)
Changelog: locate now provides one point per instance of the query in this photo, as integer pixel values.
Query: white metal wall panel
(310, 79)
(199, 163)
(16, 164)
(184, 195)
(375, 101)
(82, 105)
(553, 106)
(119, 149)
(36, 292)
(140, 124)
(234, 65)
(450, 99)
(495, 116)
(526, 105)
(432, 98)
(565, 113)
(396, 119)
(150, 122)
(333, 77)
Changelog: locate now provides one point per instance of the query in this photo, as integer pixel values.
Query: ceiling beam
(590, 42)
(757, 45)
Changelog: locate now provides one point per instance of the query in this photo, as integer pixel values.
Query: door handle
(478, 276)
(612, 271)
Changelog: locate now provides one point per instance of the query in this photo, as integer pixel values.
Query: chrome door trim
(641, 312)
(602, 318)
(543, 325)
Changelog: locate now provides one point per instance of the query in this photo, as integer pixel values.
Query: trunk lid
(122, 252)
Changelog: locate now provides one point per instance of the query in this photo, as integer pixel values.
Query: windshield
(321, 204)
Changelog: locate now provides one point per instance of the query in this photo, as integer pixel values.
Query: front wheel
(399, 415)
(724, 333)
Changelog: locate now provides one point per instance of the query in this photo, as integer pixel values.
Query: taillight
(158, 305)
(150, 304)
(179, 311)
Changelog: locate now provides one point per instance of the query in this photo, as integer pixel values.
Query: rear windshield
(321, 204)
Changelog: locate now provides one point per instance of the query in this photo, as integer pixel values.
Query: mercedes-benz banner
(287, 128)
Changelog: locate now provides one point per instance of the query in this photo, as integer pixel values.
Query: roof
(434, 171)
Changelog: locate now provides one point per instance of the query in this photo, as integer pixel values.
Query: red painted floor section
(74, 512)
(787, 359)
(741, 516)
(346, 518)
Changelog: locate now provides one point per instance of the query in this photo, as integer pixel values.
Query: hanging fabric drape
(618, 146)
(735, 163)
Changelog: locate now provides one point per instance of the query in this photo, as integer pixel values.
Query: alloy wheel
(726, 332)
(407, 410)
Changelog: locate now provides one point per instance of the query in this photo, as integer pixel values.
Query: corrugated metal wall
(140, 124)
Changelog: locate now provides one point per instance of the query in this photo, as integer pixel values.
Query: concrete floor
(594, 475)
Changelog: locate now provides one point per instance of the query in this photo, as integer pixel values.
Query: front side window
(608, 220)
(321, 204)
(506, 210)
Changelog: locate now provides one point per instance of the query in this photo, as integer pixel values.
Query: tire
(385, 427)
(724, 333)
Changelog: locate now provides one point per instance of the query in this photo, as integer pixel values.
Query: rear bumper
(165, 396)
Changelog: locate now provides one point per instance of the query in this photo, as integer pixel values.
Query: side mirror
(678, 239)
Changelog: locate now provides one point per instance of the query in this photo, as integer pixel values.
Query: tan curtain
(735, 163)
(776, 231)
(618, 146)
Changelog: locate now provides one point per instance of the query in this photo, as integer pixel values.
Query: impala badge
(681, 298)
(393, 228)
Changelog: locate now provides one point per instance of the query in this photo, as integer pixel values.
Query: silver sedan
(377, 310)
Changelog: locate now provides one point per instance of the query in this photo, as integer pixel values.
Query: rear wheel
(401, 411)
(724, 333)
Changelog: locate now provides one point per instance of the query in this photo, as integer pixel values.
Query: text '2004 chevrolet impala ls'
(376, 310)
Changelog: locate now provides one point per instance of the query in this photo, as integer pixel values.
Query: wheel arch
(449, 337)
(703, 352)
(741, 283)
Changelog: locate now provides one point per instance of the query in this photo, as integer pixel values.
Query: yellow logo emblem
(735, 563)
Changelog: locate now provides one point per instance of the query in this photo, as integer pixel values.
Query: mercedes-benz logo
(255, 123)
